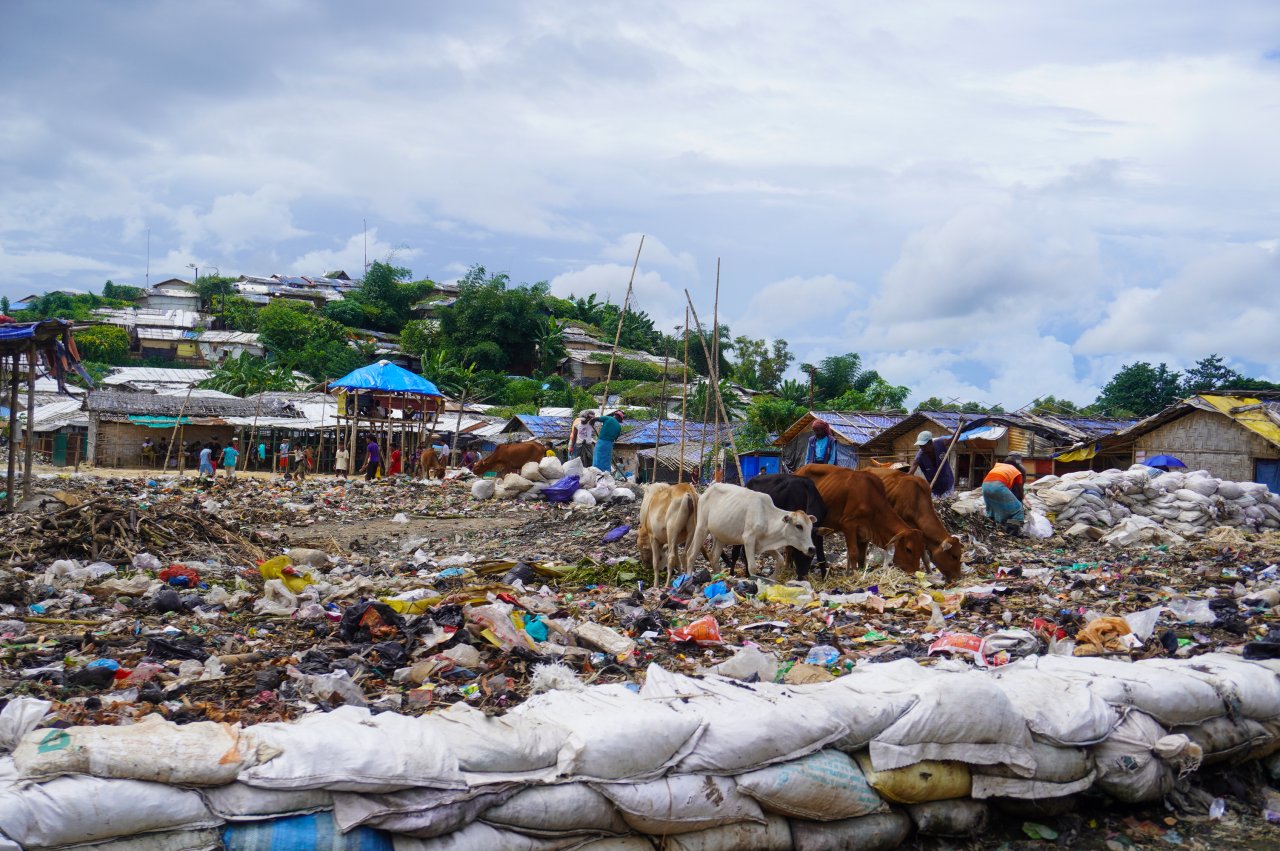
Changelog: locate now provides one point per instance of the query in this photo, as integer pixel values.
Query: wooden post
(662, 408)
(950, 446)
(31, 421)
(684, 400)
(733, 445)
(608, 376)
(715, 378)
(253, 434)
(178, 431)
(13, 432)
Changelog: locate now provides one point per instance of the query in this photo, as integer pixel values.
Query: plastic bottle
(1217, 809)
(822, 654)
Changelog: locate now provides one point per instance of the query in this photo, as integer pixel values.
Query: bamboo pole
(662, 408)
(716, 465)
(617, 337)
(31, 421)
(13, 432)
(733, 444)
(950, 446)
(176, 434)
(684, 400)
(253, 433)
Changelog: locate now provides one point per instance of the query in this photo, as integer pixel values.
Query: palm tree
(246, 375)
(793, 391)
(549, 344)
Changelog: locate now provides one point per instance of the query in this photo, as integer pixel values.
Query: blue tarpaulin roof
(386, 377)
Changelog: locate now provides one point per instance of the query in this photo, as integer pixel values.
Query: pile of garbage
(1145, 505)
(550, 480)
(691, 763)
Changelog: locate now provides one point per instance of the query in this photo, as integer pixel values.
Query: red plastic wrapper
(704, 630)
(1047, 629)
(179, 572)
(958, 642)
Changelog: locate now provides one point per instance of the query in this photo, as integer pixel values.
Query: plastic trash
(400, 517)
(1217, 809)
(1037, 526)
(748, 663)
(616, 534)
(823, 654)
(705, 630)
(180, 575)
(283, 569)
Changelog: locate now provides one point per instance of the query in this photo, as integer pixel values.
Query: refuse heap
(1184, 504)
(520, 608)
(555, 482)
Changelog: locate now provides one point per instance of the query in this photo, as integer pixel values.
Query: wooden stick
(715, 372)
(684, 401)
(662, 408)
(608, 376)
(253, 433)
(173, 437)
(31, 421)
(952, 445)
(13, 432)
(733, 444)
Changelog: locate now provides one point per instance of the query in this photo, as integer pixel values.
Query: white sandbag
(773, 835)
(483, 488)
(491, 748)
(991, 786)
(1222, 739)
(1038, 526)
(1128, 766)
(551, 469)
(1138, 530)
(584, 497)
(564, 809)
(735, 714)
(239, 802)
(1170, 696)
(1249, 689)
(681, 803)
(482, 837)
(949, 818)
(627, 843)
(421, 813)
(1064, 712)
(1230, 490)
(573, 467)
(747, 663)
(616, 734)
(532, 470)
(601, 492)
(199, 754)
(515, 484)
(943, 726)
(825, 786)
(623, 494)
(19, 717)
(866, 712)
(350, 749)
(587, 477)
(209, 839)
(868, 833)
(1053, 764)
(1204, 485)
(71, 810)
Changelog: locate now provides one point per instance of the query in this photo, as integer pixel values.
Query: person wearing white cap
(930, 455)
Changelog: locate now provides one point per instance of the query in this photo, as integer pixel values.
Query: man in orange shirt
(1002, 491)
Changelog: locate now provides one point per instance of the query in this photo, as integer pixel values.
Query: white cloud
(350, 257)
(652, 294)
(795, 304)
(654, 253)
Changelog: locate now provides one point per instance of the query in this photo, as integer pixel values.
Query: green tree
(934, 403)
(246, 375)
(733, 403)
(1211, 373)
(759, 366)
(493, 324)
(772, 414)
(419, 336)
(103, 343)
(295, 334)
(240, 314)
(793, 391)
(120, 292)
(874, 395)
(1052, 405)
(1140, 389)
(214, 290)
(549, 344)
(4, 305)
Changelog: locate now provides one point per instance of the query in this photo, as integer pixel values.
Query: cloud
(654, 253)
(795, 304)
(350, 257)
(652, 294)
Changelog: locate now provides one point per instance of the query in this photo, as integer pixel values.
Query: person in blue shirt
(930, 455)
(206, 462)
(230, 455)
(822, 446)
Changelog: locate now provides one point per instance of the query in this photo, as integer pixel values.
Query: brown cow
(509, 458)
(909, 496)
(430, 465)
(668, 518)
(858, 506)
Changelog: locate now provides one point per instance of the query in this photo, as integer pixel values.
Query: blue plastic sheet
(386, 377)
(302, 833)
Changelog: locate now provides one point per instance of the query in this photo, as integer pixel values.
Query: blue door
(1268, 473)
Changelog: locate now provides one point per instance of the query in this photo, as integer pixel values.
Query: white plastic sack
(19, 717)
(1170, 696)
(532, 471)
(199, 754)
(583, 497)
(587, 476)
(482, 837)
(492, 748)
(514, 483)
(72, 810)
(483, 488)
(238, 802)
(773, 835)
(867, 833)
(551, 469)
(736, 714)
(1063, 712)
(1128, 768)
(1038, 526)
(1251, 690)
(681, 803)
(349, 749)
(943, 725)
(747, 663)
(276, 599)
(560, 810)
(601, 492)
(209, 839)
(825, 786)
(959, 817)
(616, 735)
(421, 813)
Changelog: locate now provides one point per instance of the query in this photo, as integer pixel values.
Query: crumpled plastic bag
(1037, 526)
(1102, 636)
(705, 630)
(584, 497)
(276, 599)
(282, 568)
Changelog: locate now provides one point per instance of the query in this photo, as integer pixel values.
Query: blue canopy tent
(375, 392)
(1165, 462)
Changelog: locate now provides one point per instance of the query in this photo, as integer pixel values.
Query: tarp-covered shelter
(397, 407)
(851, 429)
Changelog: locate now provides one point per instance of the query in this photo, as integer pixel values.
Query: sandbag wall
(1185, 503)
(682, 763)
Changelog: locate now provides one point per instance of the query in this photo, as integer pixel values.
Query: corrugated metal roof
(55, 415)
(231, 337)
(153, 375)
(646, 433)
(548, 428)
(148, 404)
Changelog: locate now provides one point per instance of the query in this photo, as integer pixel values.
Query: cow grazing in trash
(509, 458)
(668, 517)
(910, 498)
(792, 493)
(430, 465)
(858, 506)
(735, 515)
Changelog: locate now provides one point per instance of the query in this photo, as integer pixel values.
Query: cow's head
(485, 465)
(948, 556)
(797, 532)
(908, 550)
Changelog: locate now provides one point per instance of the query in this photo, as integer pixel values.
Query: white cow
(734, 515)
(668, 515)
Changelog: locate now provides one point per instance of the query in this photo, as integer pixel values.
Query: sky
(988, 201)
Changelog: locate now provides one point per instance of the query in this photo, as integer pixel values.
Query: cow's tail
(684, 512)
